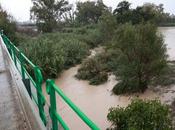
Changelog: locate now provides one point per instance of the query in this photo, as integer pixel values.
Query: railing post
(40, 97)
(6, 41)
(21, 58)
(14, 56)
(1, 32)
(52, 108)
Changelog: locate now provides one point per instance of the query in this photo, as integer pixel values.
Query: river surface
(169, 38)
(95, 101)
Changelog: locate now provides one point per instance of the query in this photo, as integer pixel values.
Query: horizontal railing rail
(51, 89)
(23, 64)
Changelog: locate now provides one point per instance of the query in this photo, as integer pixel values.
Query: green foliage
(7, 25)
(47, 13)
(89, 12)
(93, 38)
(148, 12)
(75, 51)
(141, 115)
(54, 52)
(94, 70)
(122, 7)
(107, 25)
(141, 58)
(168, 76)
(89, 34)
(123, 12)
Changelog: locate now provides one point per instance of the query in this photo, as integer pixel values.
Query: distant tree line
(7, 24)
(51, 14)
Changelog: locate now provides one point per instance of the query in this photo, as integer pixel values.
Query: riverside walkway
(12, 115)
(16, 109)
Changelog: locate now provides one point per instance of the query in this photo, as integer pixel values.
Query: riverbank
(167, 25)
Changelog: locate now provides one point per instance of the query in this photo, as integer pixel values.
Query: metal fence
(32, 73)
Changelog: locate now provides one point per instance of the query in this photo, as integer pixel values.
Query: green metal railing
(51, 89)
(21, 62)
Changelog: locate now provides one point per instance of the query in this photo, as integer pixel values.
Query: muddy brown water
(95, 101)
(169, 39)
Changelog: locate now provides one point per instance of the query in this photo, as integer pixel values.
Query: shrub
(107, 25)
(75, 51)
(67, 30)
(141, 115)
(54, 52)
(94, 69)
(168, 76)
(142, 57)
(93, 38)
(49, 57)
(81, 30)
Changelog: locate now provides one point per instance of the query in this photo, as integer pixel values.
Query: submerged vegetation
(142, 57)
(94, 69)
(55, 52)
(136, 55)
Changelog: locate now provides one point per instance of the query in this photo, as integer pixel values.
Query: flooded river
(169, 37)
(95, 101)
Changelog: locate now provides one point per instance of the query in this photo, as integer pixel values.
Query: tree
(141, 115)
(123, 12)
(69, 17)
(147, 12)
(7, 24)
(107, 25)
(90, 11)
(47, 13)
(141, 58)
(122, 7)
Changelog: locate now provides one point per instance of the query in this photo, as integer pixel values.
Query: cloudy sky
(20, 9)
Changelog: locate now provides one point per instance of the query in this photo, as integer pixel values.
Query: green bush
(75, 51)
(168, 76)
(67, 30)
(93, 38)
(107, 25)
(54, 52)
(142, 57)
(141, 115)
(48, 56)
(81, 30)
(94, 70)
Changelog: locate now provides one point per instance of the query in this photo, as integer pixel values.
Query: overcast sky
(20, 9)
